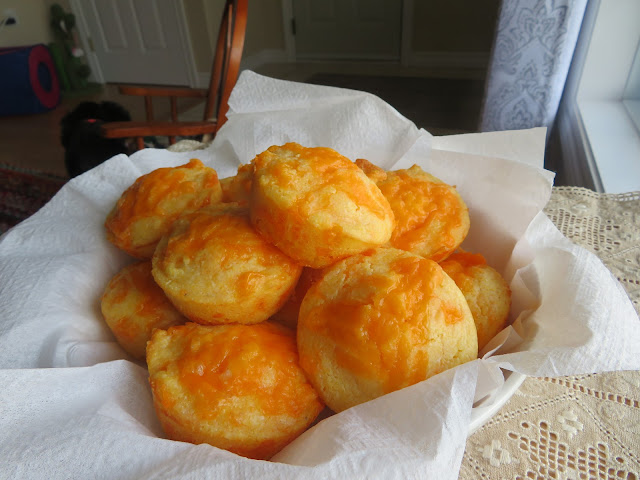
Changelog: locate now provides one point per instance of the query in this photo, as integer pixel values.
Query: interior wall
(200, 30)
(439, 26)
(264, 28)
(33, 22)
(213, 11)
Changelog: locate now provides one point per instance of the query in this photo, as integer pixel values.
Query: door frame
(94, 63)
(405, 41)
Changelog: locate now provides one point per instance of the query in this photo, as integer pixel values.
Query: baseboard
(249, 63)
(451, 60)
(462, 60)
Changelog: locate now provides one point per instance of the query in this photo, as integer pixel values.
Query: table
(577, 427)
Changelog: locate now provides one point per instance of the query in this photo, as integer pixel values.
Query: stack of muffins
(305, 280)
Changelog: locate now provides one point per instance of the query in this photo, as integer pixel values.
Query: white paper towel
(74, 406)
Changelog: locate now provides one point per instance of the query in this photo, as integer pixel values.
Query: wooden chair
(224, 74)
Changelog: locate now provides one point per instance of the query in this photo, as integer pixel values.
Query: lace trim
(583, 426)
(613, 397)
(606, 224)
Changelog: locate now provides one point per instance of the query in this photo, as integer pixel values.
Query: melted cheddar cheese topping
(431, 218)
(379, 325)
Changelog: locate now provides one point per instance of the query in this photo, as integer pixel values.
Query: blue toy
(28, 81)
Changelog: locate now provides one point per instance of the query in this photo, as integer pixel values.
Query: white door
(348, 29)
(136, 41)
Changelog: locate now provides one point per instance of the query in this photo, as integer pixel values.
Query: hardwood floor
(33, 141)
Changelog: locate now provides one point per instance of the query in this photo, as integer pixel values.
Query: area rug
(23, 193)
(439, 105)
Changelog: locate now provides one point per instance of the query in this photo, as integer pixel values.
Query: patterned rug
(23, 193)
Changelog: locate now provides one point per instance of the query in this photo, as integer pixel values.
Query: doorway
(136, 41)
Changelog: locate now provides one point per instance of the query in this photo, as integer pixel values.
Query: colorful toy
(67, 54)
(28, 82)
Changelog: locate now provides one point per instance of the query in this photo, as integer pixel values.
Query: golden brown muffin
(236, 387)
(316, 205)
(146, 210)
(372, 171)
(381, 321)
(288, 314)
(487, 293)
(133, 305)
(432, 219)
(237, 189)
(215, 268)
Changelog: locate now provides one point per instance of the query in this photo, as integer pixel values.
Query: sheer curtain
(532, 52)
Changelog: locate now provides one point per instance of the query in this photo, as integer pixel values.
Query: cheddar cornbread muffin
(236, 387)
(381, 321)
(237, 189)
(146, 210)
(432, 219)
(487, 293)
(316, 205)
(288, 314)
(372, 171)
(215, 268)
(133, 305)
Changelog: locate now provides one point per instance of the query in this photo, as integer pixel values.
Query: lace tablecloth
(578, 427)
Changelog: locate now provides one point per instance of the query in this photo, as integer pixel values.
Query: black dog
(80, 135)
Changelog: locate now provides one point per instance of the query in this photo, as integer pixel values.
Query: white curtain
(532, 52)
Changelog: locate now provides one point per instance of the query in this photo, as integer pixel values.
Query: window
(631, 96)
(600, 141)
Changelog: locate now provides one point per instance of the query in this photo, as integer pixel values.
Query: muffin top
(380, 321)
(146, 210)
(432, 220)
(320, 197)
(217, 269)
(238, 387)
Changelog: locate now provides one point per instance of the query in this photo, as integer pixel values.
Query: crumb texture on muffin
(237, 189)
(432, 220)
(380, 321)
(133, 305)
(316, 205)
(216, 268)
(485, 290)
(288, 314)
(236, 387)
(146, 210)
